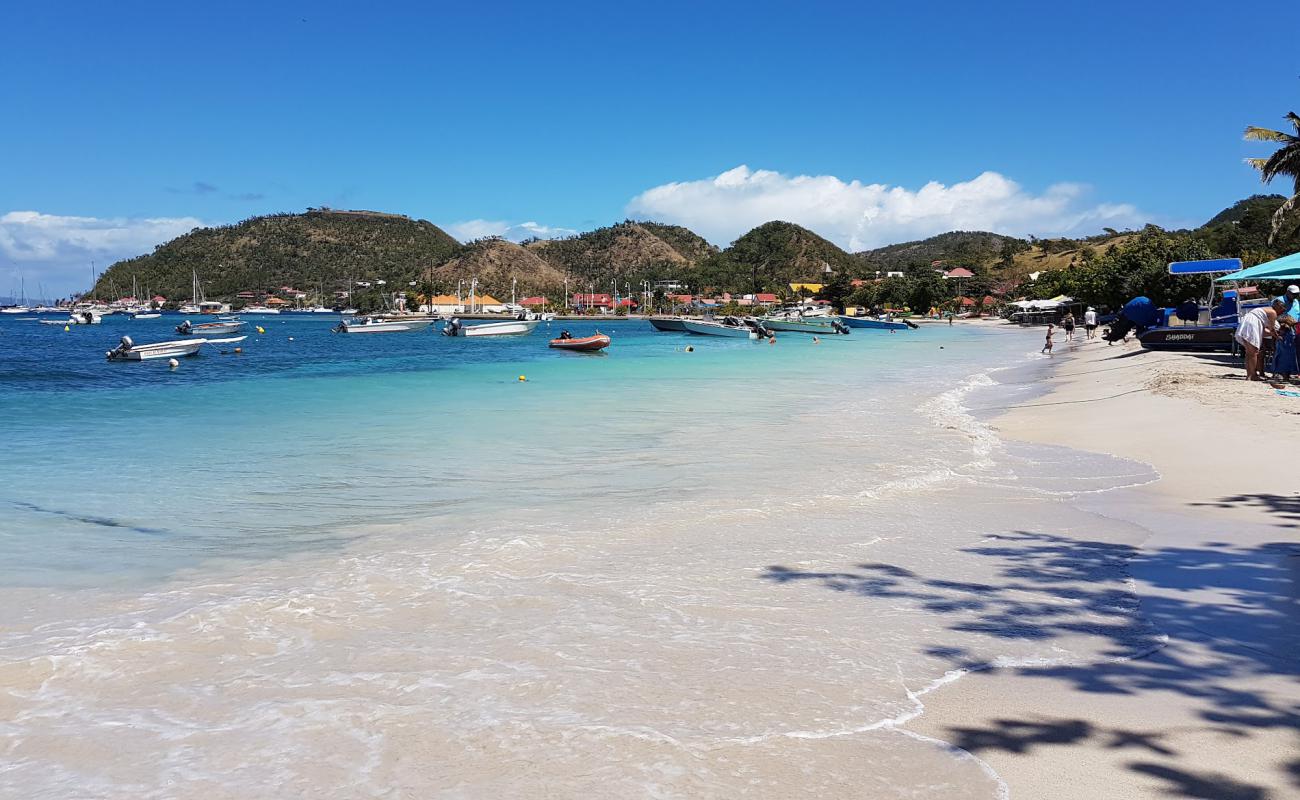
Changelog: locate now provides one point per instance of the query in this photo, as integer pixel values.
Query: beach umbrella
(1286, 268)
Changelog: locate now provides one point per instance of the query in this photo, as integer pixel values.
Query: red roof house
(531, 302)
(593, 300)
(958, 272)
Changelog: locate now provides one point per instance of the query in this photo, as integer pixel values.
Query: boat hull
(521, 327)
(587, 344)
(1215, 338)
(671, 324)
(150, 352)
(385, 326)
(700, 328)
(874, 324)
(820, 328)
(212, 329)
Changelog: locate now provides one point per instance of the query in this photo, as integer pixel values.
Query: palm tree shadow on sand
(1050, 586)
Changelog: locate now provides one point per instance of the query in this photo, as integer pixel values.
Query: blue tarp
(1286, 268)
(1205, 267)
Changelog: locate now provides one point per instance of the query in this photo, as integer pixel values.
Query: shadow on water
(1238, 600)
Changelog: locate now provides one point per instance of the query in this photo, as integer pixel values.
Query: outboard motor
(839, 327)
(452, 328)
(1138, 314)
(184, 327)
(123, 347)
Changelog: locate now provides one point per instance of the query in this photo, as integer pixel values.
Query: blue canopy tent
(1286, 268)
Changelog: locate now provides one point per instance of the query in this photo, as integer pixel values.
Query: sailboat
(196, 294)
(22, 308)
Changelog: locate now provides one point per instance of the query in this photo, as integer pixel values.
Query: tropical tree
(1285, 161)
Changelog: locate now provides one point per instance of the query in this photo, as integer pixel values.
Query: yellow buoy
(66, 329)
(239, 349)
(522, 378)
(260, 329)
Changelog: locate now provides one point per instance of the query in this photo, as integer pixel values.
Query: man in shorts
(1090, 322)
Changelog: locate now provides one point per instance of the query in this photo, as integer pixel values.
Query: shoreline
(1212, 712)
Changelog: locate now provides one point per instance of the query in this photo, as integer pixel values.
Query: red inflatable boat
(587, 344)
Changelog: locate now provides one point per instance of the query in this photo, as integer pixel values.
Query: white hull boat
(221, 328)
(733, 328)
(258, 310)
(518, 327)
(128, 350)
(383, 325)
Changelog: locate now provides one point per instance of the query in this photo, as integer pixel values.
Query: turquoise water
(351, 566)
(123, 471)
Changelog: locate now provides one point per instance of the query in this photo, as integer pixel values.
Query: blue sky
(124, 123)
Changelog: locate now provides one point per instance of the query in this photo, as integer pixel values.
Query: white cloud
(516, 232)
(56, 251)
(859, 216)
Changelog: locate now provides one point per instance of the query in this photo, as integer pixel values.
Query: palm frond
(1257, 163)
(1286, 161)
(1256, 134)
(1295, 120)
(1285, 218)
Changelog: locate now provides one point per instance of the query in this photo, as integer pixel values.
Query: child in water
(1047, 347)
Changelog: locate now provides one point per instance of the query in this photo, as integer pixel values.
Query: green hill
(957, 248)
(321, 250)
(774, 255)
(496, 263)
(628, 251)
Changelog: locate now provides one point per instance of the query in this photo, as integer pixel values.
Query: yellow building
(810, 288)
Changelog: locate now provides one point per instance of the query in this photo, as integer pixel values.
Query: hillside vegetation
(320, 249)
(323, 250)
(628, 251)
(496, 262)
(774, 255)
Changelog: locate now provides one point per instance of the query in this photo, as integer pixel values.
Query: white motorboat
(729, 326)
(517, 327)
(128, 350)
(15, 310)
(77, 318)
(259, 310)
(189, 308)
(218, 328)
(823, 326)
(383, 324)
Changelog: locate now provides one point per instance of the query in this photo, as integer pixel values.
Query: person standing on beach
(1067, 322)
(1254, 326)
(1292, 300)
(1047, 346)
(1090, 322)
(1284, 353)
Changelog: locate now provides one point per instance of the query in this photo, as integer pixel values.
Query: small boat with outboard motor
(81, 317)
(221, 327)
(668, 323)
(517, 327)
(383, 324)
(580, 344)
(732, 327)
(819, 326)
(128, 350)
(877, 323)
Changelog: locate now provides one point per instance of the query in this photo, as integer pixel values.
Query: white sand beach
(1215, 712)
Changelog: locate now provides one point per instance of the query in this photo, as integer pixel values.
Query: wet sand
(1215, 711)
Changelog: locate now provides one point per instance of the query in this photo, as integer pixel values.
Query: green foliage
(957, 248)
(1139, 267)
(317, 252)
(772, 256)
(837, 291)
(629, 251)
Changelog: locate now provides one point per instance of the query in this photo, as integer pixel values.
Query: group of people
(1068, 324)
(1274, 324)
